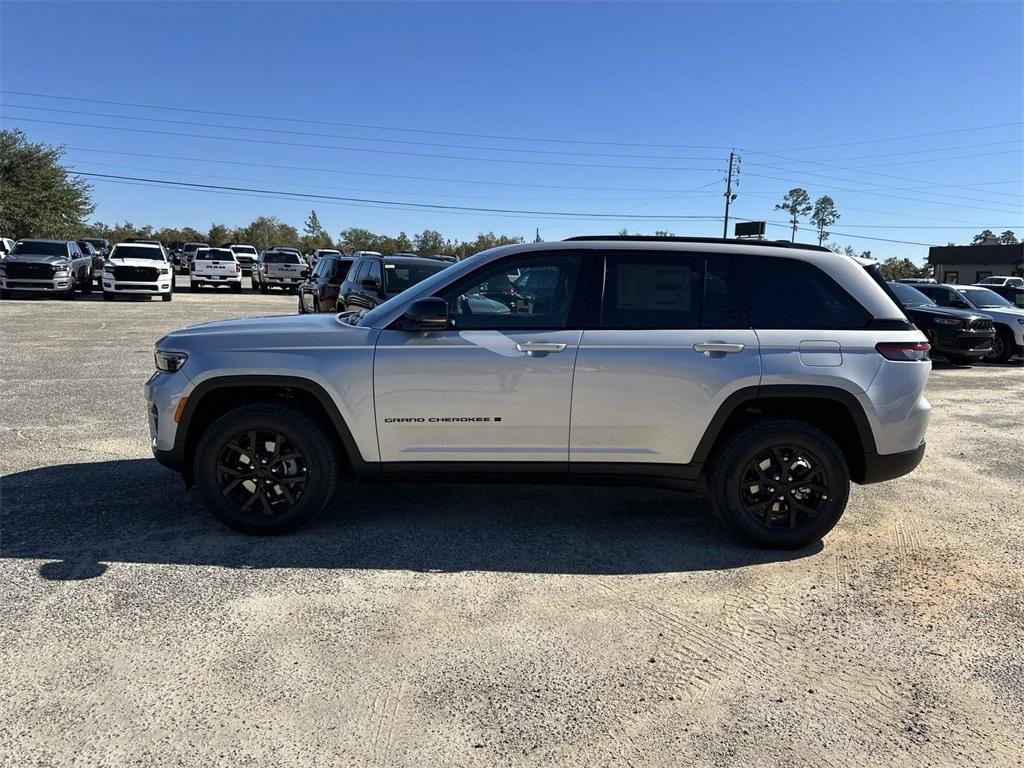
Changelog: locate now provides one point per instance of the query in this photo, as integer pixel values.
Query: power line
(844, 168)
(901, 138)
(923, 151)
(362, 149)
(430, 206)
(350, 138)
(872, 193)
(803, 172)
(364, 126)
(366, 173)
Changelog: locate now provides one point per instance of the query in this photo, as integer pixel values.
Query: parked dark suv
(319, 293)
(961, 336)
(373, 279)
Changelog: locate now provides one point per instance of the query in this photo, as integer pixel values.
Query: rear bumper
(879, 467)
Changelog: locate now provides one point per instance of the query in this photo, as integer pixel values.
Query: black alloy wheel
(266, 467)
(784, 487)
(779, 483)
(262, 472)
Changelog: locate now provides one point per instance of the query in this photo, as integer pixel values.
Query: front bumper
(52, 285)
(963, 342)
(879, 467)
(138, 289)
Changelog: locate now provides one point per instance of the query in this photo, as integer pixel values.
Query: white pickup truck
(213, 267)
(279, 269)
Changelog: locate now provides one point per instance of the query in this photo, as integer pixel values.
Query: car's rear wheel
(87, 285)
(167, 296)
(263, 288)
(1002, 347)
(266, 468)
(780, 483)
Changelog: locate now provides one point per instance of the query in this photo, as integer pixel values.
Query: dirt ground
(485, 625)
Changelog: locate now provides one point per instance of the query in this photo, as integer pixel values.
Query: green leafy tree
(219, 233)
(429, 242)
(894, 268)
(356, 239)
(482, 242)
(986, 235)
(1008, 238)
(797, 203)
(265, 231)
(38, 196)
(824, 216)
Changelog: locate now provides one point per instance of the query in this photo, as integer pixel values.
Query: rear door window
(652, 290)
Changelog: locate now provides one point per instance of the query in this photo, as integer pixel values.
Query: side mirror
(429, 314)
(304, 274)
(960, 304)
(370, 284)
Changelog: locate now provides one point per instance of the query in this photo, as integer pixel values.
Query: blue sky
(644, 100)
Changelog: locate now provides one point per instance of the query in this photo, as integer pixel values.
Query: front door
(496, 386)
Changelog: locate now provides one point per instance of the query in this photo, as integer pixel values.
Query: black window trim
(574, 321)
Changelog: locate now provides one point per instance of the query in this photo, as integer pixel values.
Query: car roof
(140, 245)
(407, 260)
(43, 240)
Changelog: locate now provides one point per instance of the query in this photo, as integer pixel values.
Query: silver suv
(768, 375)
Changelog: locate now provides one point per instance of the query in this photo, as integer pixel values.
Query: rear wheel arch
(214, 397)
(834, 411)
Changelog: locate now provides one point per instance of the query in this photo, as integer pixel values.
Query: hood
(31, 258)
(124, 261)
(262, 333)
(962, 314)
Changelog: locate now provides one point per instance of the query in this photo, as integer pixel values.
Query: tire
(167, 297)
(108, 296)
(87, 286)
(69, 294)
(739, 500)
(228, 442)
(253, 283)
(961, 359)
(263, 288)
(1002, 346)
(236, 287)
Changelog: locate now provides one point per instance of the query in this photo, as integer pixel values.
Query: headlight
(1020, 320)
(947, 321)
(108, 267)
(165, 272)
(169, 362)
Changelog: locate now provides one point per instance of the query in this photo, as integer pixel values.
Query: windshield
(97, 242)
(248, 250)
(911, 297)
(194, 246)
(399, 277)
(983, 297)
(137, 252)
(39, 248)
(281, 257)
(214, 254)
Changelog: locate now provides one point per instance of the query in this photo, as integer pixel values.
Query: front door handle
(539, 348)
(722, 347)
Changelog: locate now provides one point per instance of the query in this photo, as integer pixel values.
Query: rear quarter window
(783, 293)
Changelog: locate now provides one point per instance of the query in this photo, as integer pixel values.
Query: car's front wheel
(780, 483)
(266, 468)
(1002, 347)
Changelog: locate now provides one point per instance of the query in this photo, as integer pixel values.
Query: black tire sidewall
(725, 482)
(318, 452)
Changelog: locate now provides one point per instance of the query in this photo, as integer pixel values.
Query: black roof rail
(709, 240)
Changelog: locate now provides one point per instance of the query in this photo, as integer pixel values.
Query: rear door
(669, 345)
(497, 386)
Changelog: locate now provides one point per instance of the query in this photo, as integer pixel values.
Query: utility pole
(733, 177)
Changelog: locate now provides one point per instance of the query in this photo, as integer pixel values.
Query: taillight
(904, 351)
(191, 266)
(266, 270)
(238, 267)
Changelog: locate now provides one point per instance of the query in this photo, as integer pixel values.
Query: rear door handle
(539, 348)
(709, 347)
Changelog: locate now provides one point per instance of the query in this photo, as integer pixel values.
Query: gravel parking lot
(484, 625)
